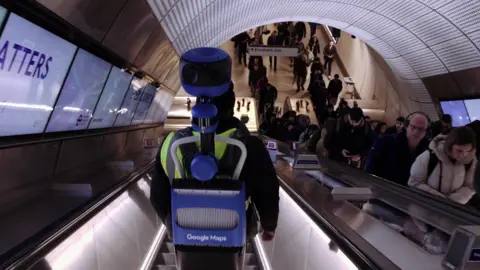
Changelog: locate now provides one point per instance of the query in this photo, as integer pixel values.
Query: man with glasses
(392, 156)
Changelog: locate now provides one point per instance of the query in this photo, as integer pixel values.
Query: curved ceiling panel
(153, 51)
(131, 30)
(418, 38)
(90, 16)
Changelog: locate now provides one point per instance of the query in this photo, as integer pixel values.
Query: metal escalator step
(251, 267)
(166, 259)
(165, 267)
(250, 259)
(167, 247)
(250, 248)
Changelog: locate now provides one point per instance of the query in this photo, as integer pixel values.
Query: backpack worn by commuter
(227, 155)
(433, 161)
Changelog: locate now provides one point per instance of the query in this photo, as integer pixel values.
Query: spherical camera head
(205, 72)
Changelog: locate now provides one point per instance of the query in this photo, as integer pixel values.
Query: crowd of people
(429, 156)
(308, 59)
(416, 152)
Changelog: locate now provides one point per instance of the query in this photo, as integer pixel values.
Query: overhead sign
(262, 50)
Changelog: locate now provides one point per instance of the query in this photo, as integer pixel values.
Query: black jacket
(273, 41)
(356, 140)
(258, 173)
(391, 158)
(335, 87)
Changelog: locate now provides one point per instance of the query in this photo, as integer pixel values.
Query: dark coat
(258, 173)
(391, 158)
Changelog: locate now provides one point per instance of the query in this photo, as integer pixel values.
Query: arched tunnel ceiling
(418, 38)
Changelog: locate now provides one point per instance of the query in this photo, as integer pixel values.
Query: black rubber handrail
(425, 198)
(29, 252)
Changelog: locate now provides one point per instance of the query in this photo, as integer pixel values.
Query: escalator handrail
(457, 210)
(30, 251)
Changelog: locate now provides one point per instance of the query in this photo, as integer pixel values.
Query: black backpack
(433, 161)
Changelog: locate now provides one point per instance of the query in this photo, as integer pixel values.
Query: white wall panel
(383, 48)
(403, 41)
(376, 24)
(465, 14)
(458, 54)
(405, 71)
(433, 28)
(425, 63)
(367, 4)
(435, 4)
(403, 11)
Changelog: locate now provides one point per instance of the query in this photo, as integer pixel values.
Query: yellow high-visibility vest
(167, 161)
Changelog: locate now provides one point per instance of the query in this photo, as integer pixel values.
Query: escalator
(166, 259)
(313, 230)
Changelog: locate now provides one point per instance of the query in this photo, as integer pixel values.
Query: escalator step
(167, 247)
(164, 267)
(250, 248)
(250, 259)
(166, 259)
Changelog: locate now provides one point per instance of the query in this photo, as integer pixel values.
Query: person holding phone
(351, 138)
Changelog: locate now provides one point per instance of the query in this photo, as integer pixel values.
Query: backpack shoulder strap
(188, 150)
(432, 162)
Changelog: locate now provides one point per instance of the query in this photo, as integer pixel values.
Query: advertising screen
(80, 93)
(166, 107)
(154, 107)
(33, 66)
(144, 104)
(130, 102)
(473, 109)
(3, 13)
(457, 110)
(112, 96)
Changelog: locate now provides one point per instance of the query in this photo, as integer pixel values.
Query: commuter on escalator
(335, 86)
(351, 139)
(447, 169)
(379, 131)
(254, 59)
(258, 72)
(313, 29)
(282, 33)
(300, 66)
(392, 156)
(273, 40)
(305, 137)
(315, 45)
(327, 113)
(300, 30)
(343, 108)
(241, 44)
(329, 54)
(442, 126)
(398, 128)
(318, 95)
(268, 96)
(258, 173)
(267, 127)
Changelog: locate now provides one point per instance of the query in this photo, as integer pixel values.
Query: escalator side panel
(118, 237)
